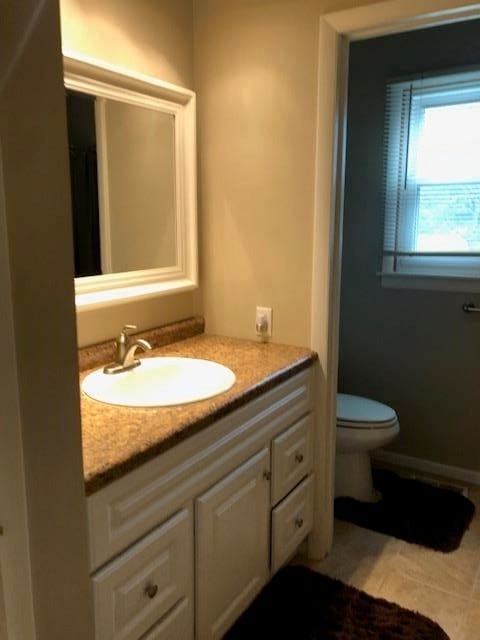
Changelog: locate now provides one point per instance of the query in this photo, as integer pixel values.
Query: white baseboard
(468, 476)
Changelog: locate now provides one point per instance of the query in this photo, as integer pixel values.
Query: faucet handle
(124, 336)
(128, 327)
(122, 342)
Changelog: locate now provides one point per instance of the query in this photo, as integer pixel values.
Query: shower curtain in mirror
(85, 210)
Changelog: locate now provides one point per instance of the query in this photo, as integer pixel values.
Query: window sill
(429, 282)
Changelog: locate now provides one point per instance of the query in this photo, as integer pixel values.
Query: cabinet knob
(299, 458)
(299, 523)
(151, 590)
(267, 474)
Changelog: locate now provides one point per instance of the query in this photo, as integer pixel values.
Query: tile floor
(444, 587)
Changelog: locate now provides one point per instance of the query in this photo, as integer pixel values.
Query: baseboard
(468, 476)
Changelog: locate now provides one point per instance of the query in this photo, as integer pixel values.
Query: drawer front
(292, 520)
(144, 583)
(292, 457)
(177, 624)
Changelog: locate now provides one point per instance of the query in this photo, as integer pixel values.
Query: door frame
(16, 608)
(336, 31)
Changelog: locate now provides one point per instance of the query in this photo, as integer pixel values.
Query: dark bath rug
(300, 604)
(412, 511)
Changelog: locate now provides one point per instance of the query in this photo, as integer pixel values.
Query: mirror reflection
(123, 183)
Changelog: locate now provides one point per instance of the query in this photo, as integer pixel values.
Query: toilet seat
(354, 412)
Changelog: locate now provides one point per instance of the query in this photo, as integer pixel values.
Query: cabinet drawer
(292, 455)
(144, 583)
(292, 520)
(177, 624)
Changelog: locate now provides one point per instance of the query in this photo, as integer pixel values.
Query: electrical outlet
(263, 322)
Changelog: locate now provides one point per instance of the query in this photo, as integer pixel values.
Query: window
(432, 177)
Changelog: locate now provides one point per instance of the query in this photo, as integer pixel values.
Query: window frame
(411, 268)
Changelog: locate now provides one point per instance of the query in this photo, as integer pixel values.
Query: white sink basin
(160, 382)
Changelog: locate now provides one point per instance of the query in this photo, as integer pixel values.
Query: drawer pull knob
(267, 474)
(299, 458)
(299, 523)
(151, 590)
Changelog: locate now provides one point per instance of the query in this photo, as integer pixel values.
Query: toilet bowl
(362, 425)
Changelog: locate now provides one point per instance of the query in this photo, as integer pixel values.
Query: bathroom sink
(160, 382)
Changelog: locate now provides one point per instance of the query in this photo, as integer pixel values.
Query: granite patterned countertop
(117, 440)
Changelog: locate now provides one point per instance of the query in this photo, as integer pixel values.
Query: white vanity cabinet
(180, 546)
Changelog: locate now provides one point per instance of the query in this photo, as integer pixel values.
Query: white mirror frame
(91, 76)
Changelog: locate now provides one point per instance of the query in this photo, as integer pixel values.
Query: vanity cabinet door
(232, 546)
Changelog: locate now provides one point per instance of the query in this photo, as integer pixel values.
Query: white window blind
(432, 176)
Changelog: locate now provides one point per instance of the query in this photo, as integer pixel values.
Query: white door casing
(336, 30)
(14, 541)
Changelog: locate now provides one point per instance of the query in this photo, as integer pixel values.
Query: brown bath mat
(412, 511)
(300, 604)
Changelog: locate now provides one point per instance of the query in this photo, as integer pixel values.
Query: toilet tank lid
(356, 409)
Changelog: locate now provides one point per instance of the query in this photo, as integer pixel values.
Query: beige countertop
(119, 439)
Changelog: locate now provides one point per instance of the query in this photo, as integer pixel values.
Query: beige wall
(150, 36)
(139, 166)
(256, 83)
(41, 455)
(154, 37)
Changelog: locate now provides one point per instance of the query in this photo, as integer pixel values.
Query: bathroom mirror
(133, 179)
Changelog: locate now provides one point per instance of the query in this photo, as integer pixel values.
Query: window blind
(432, 170)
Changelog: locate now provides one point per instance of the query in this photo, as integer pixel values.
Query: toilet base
(353, 477)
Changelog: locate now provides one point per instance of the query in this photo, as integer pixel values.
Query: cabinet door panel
(232, 546)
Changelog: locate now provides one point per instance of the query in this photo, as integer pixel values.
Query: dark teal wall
(415, 350)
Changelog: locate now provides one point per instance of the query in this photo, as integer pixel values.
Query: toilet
(362, 425)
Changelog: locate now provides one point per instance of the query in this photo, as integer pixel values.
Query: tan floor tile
(452, 572)
(358, 542)
(359, 557)
(474, 495)
(367, 575)
(446, 609)
(471, 539)
(444, 587)
(470, 625)
(476, 590)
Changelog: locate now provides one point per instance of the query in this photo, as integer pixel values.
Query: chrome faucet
(125, 349)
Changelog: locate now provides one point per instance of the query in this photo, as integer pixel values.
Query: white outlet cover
(264, 312)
